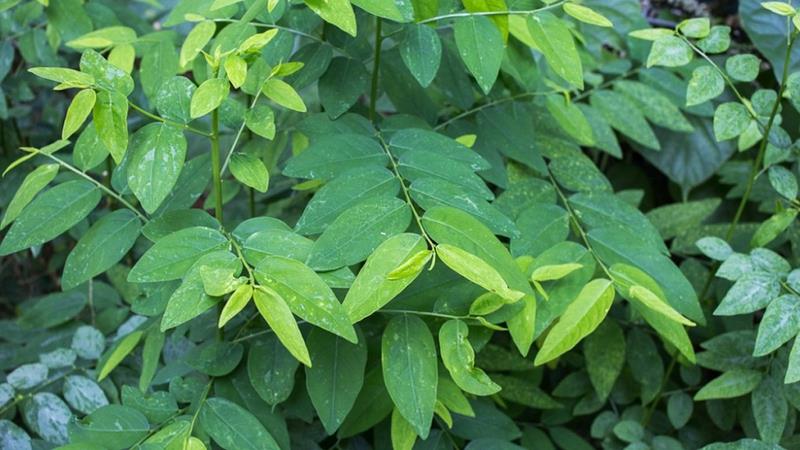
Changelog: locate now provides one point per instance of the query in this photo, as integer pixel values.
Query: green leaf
(428, 141)
(343, 192)
(111, 122)
(261, 121)
(158, 153)
(679, 409)
(657, 304)
(336, 377)
(431, 192)
(780, 323)
(402, 433)
(356, 233)
(480, 45)
(67, 78)
(250, 170)
(104, 37)
(208, 97)
(283, 94)
(570, 117)
(408, 358)
(730, 120)
(117, 353)
(53, 309)
(731, 384)
(414, 165)
(744, 67)
(670, 51)
(344, 82)
(780, 8)
(235, 304)
(604, 351)
(106, 75)
(771, 228)
(195, 41)
(236, 70)
(632, 125)
(332, 155)
(770, 409)
(306, 294)
(112, 426)
(706, 84)
(373, 287)
(586, 15)
(53, 212)
(696, 28)
(555, 41)
(717, 41)
(172, 256)
(580, 318)
(657, 107)
(398, 11)
(476, 270)
(82, 104)
(173, 99)
(336, 12)
(783, 181)
(151, 356)
(279, 317)
(83, 394)
(104, 245)
(421, 50)
(271, 369)
(34, 182)
(459, 359)
(233, 427)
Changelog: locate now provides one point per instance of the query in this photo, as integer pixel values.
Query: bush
(469, 264)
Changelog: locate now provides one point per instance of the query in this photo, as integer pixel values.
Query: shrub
(468, 264)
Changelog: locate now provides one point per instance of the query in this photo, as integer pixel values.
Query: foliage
(469, 264)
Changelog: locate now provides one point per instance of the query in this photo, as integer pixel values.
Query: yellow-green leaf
(283, 94)
(279, 317)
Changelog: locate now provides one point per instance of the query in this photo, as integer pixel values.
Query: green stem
(406, 193)
(216, 170)
(459, 15)
(376, 63)
(763, 147)
(238, 136)
(100, 185)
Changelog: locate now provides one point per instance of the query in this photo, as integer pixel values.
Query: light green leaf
(670, 51)
(730, 120)
(279, 317)
(695, 28)
(306, 294)
(172, 256)
(771, 228)
(554, 271)
(235, 304)
(580, 318)
(586, 15)
(34, 182)
(408, 358)
(336, 377)
(209, 96)
(158, 153)
(283, 94)
(336, 12)
(195, 41)
(459, 359)
(356, 233)
(82, 104)
(571, 118)
(106, 75)
(261, 121)
(781, 8)
(105, 244)
(373, 287)
(555, 41)
(476, 270)
(117, 353)
(402, 433)
(250, 170)
(104, 37)
(480, 45)
(731, 384)
(233, 427)
(744, 67)
(706, 84)
(67, 78)
(53, 212)
(783, 181)
(657, 304)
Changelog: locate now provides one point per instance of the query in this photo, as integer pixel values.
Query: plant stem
(216, 170)
(238, 136)
(376, 63)
(100, 185)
